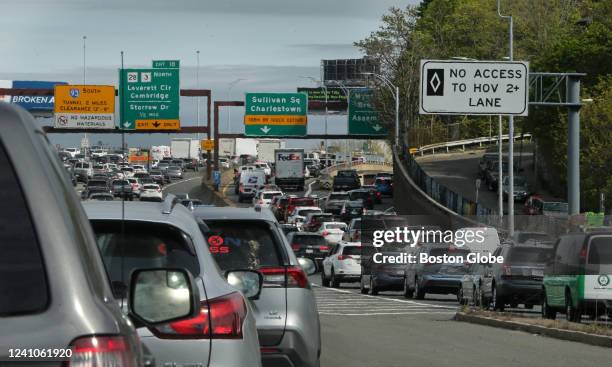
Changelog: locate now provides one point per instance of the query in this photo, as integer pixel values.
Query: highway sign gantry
(362, 117)
(275, 114)
(84, 106)
(452, 87)
(150, 99)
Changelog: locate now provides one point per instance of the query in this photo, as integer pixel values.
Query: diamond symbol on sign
(435, 82)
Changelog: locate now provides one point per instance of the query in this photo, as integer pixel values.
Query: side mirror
(158, 296)
(249, 282)
(307, 265)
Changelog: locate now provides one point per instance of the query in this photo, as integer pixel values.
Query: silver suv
(286, 311)
(165, 234)
(56, 301)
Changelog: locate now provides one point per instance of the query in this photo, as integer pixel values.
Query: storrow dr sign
(275, 114)
(474, 87)
(150, 99)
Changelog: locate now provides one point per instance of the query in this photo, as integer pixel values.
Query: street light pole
(84, 68)
(395, 93)
(510, 134)
(198, 87)
(229, 110)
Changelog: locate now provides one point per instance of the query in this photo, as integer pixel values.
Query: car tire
(547, 311)
(373, 289)
(418, 292)
(324, 280)
(407, 291)
(496, 302)
(334, 281)
(362, 287)
(572, 314)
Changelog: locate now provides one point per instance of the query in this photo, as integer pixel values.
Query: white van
(250, 182)
(84, 170)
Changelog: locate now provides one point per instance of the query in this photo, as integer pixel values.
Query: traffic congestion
(318, 184)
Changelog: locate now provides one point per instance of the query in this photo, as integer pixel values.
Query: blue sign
(217, 178)
(35, 103)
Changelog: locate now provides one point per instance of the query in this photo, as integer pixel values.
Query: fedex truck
(289, 168)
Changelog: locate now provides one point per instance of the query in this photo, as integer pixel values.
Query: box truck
(289, 168)
(267, 147)
(185, 148)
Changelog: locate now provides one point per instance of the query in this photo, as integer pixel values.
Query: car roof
(305, 234)
(140, 211)
(231, 213)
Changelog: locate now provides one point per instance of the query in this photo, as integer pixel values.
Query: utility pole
(510, 135)
(198, 87)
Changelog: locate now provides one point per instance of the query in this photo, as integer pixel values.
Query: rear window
(359, 195)
(351, 250)
(309, 240)
(338, 197)
(523, 237)
(142, 245)
(242, 245)
(354, 204)
(529, 255)
(270, 195)
(96, 183)
(151, 187)
(600, 251)
(335, 226)
(302, 202)
(347, 174)
(305, 212)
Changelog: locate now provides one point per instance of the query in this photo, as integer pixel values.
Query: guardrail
(431, 148)
(356, 165)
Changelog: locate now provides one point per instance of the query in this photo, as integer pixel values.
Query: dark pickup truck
(346, 180)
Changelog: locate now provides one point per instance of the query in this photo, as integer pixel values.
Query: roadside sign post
(275, 114)
(363, 119)
(84, 106)
(150, 99)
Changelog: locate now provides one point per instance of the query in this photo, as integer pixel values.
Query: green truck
(578, 280)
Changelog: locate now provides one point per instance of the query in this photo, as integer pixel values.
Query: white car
(299, 213)
(264, 167)
(263, 198)
(151, 192)
(98, 153)
(128, 172)
(332, 231)
(224, 163)
(138, 168)
(343, 264)
(72, 151)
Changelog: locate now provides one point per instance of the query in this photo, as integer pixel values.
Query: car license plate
(537, 273)
(309, 251)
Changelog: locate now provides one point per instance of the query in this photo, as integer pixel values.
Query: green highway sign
(275, 114)
(362, 117)
(166, 64)
(149, 99)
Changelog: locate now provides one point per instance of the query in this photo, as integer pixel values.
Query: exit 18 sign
(450, 87)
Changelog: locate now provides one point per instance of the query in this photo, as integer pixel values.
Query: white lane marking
(385, 313)
(309, 191)
(180, 182)
(388, 299)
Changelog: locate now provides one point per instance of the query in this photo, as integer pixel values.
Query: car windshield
(600, 250)
(142, 245)
(242, 244)
(529, 255)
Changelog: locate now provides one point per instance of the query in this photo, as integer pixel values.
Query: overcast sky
(270, 43)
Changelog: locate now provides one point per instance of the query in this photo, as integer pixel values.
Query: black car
(351, 209)
(346, 180)
(309, 245)
(380, 276)
(366, 195)
(518, 280)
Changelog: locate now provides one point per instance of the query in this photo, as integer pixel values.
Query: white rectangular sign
(451, 87)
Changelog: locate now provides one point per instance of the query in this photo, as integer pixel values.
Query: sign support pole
(573, 145)
(500, 196)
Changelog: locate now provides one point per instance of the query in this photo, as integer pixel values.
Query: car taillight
(295, 247)
(323, 248)
(325, 233)
(506, 270)
(241, 188)
(378, 194)
(344, 257)
(289, 277)
(101, 351)
(226, 315)
(583, 254)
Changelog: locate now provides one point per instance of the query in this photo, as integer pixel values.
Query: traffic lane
(364, 330)
(190, 184)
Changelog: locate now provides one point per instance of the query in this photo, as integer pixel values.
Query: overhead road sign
(207, 144)
(166, 64)
(363, 119)
(149, 98)
(84, 106)
(350, 72)
(275, 114)
(474, 87)
(336, 99)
